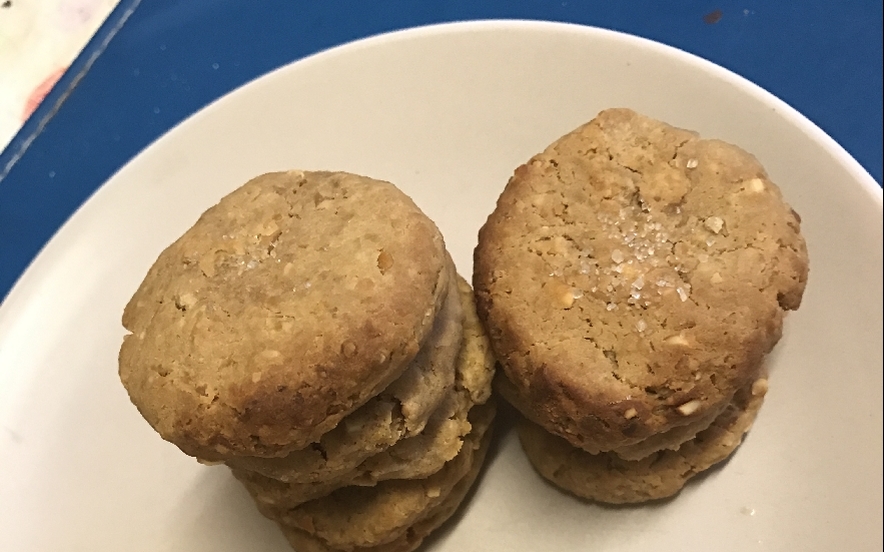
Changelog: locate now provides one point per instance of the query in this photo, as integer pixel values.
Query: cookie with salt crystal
(286, 306)
(632, 278)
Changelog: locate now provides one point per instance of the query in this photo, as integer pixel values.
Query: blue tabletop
(154, 63)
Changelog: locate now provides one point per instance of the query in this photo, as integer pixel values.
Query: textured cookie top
(285, 307)
(414, 457)
(634, 275)
(397, 412)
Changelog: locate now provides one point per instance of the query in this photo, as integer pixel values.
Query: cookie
(670, 439)
(425, 453)
(287, 306)
(606, 477)
(632, 278)
(415, 535)
(414, 457)
(397, 412)
(354, 518)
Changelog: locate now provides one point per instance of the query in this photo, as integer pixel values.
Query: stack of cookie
(632, 279)
(310, 331)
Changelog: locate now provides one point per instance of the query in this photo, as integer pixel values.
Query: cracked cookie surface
(286, 306)
(632, 278)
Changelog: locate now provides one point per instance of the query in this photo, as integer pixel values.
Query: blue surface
(172, 57)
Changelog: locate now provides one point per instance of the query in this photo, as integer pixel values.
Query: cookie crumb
(689, 407)
(630, 414)
(759, 387)
(714, 224)
(677, 339)
(756, 185)
(349, 349)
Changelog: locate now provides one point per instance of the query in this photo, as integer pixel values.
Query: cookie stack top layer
(283, 309)
(633, 276)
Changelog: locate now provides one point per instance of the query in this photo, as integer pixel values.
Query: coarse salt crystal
(617, 256)
(692, 163)
(682, 294)
(714, 224)
(641, 325)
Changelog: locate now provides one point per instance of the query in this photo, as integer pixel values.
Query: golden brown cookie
(606, 477)
(355, 518)
(283, 309)
(670, 439)
(398, 412)
(417, 456)
(632, 278)
(413, 458)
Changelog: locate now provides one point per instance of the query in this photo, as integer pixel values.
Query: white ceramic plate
(446, 113)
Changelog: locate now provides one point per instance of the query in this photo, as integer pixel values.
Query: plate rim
(22, 293)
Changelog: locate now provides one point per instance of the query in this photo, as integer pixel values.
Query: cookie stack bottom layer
(607, 477)
(394, 498)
